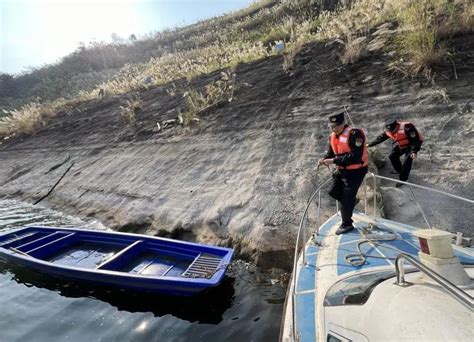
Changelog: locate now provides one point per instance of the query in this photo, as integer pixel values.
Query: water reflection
(207, 307)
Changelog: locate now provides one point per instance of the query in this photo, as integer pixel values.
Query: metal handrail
(410, 185)
(419, 207)
(423, 187)
(300, 229)
(451, 288)
(318, 191)
(305, 214)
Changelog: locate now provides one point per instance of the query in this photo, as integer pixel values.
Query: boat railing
(451, 288)
(410, 186)
(301, 234)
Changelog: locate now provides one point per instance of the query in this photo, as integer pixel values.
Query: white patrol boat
(383, 281)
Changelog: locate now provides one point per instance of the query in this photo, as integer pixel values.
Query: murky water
(36, 307)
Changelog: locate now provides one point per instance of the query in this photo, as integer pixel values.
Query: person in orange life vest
(406, 141)
(348, 151)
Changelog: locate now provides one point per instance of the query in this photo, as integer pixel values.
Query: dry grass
(425, 25)
(29, 118)
(354, 49)
(357, 18)
(215, 94)
(350, 26)
(452, 18)
(300, 35)
(25, 120)
(131, 107)
(189, 64)
(418, 41)
(248, 35)
(440, 94)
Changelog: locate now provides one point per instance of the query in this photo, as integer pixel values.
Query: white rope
(359, 258)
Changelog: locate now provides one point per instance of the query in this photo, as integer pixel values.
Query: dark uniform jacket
(412, 135)
(356, 143)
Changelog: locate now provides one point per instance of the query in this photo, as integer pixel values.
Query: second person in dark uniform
(348, 151)
(406, 141)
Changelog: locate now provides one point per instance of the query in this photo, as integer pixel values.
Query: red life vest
(400, 136)
(340, 145)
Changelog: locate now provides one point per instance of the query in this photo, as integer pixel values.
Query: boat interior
(102, 251)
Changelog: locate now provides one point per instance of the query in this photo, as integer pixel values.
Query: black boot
(344, 229)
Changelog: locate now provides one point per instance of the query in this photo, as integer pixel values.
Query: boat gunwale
(225, 255)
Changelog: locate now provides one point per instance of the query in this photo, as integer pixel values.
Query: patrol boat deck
(353, 287)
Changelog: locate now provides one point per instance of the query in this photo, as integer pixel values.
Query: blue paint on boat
(392, 249)
(311, 249)
(351, 236)
(464, 258)
(132, 261)
(343, 266)
(307, 274)
(305, 301)
(306, 325)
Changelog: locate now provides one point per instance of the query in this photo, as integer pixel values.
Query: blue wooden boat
(130, 261)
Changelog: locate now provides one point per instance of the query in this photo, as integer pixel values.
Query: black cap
(391, 124)
(336, 119)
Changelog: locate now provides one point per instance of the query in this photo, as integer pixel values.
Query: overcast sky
(37, 32)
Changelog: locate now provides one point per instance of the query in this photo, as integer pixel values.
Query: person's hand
(413, 156)
(321, 161)
(328, 162)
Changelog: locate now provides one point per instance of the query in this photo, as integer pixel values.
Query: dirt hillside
(242, 174)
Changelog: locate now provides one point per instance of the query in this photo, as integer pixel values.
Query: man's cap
(336, 119)
(391, 124)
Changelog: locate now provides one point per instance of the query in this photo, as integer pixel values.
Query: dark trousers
(405, 168)
(344, 188)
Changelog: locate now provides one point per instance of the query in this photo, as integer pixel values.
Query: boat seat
(114, 258)
(62, 238)
(204, 265)
(45, 238)
(16, 238)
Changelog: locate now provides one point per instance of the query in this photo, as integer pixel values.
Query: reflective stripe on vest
(400, 136)
(340, 145)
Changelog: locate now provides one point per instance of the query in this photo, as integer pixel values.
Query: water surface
(36, 307)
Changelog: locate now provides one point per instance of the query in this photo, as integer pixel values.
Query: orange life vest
(340, 145)
(400, 137)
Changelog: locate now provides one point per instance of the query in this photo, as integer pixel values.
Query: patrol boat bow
(355, 287)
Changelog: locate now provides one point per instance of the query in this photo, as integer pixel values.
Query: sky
(38, 32)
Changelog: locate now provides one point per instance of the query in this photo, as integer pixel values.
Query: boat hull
(128, 261)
